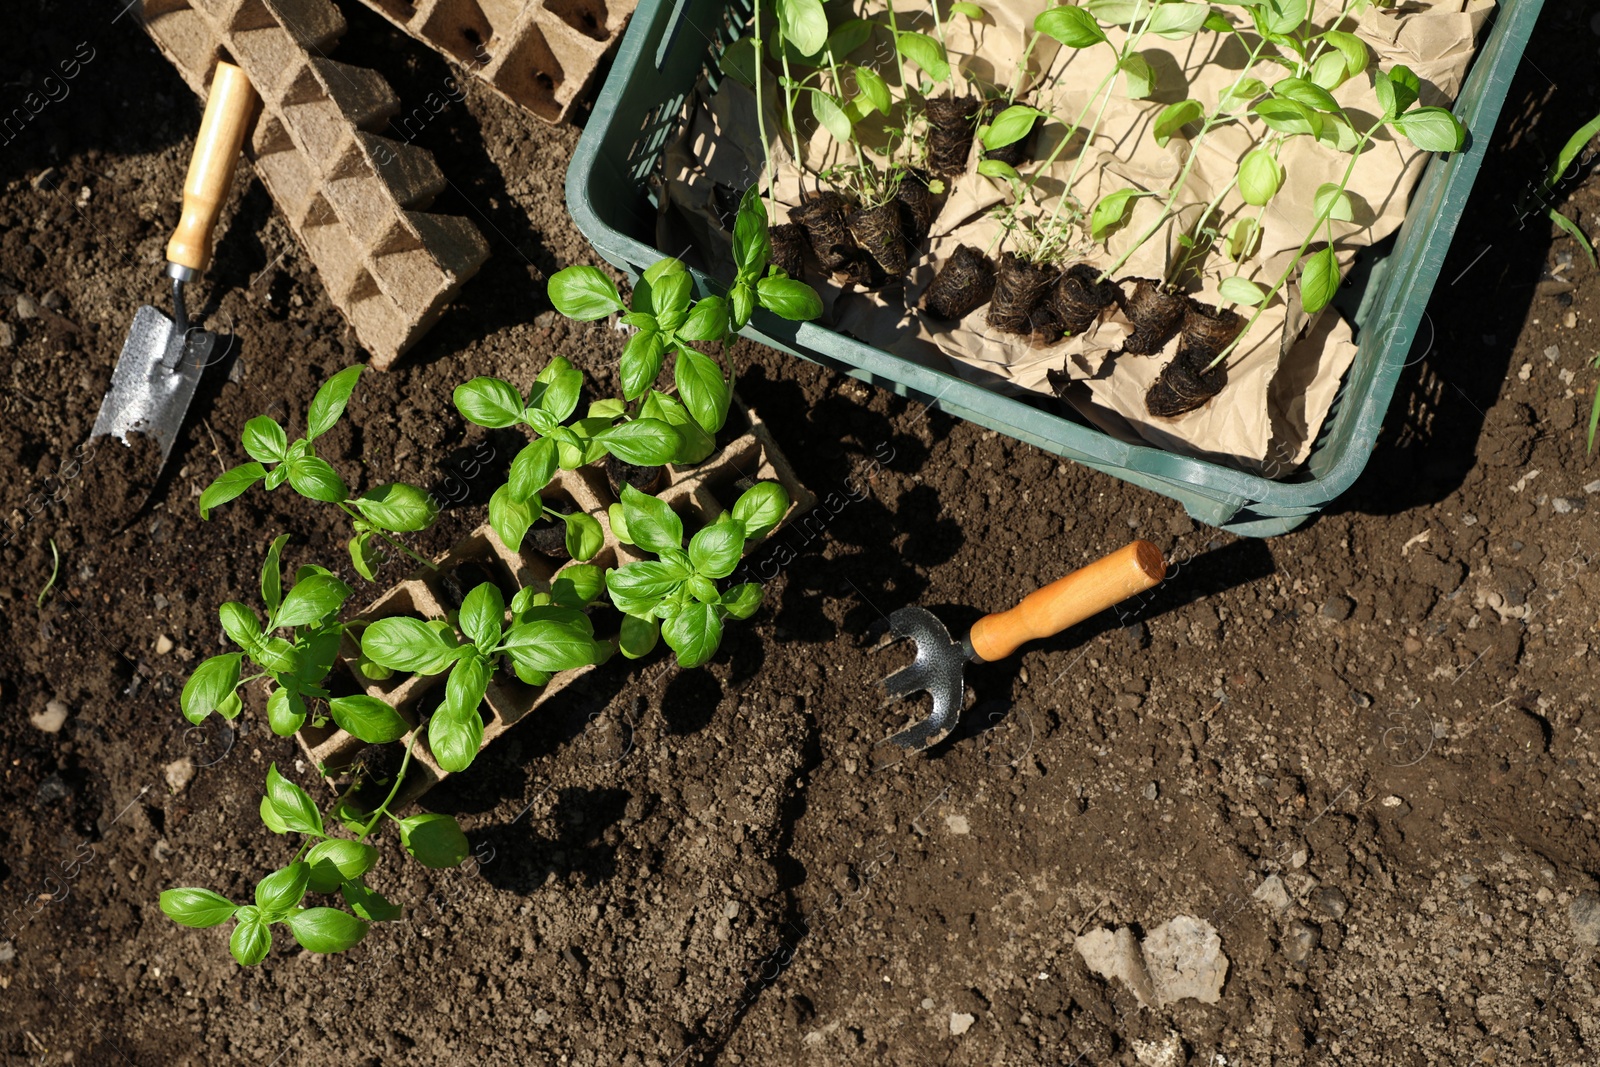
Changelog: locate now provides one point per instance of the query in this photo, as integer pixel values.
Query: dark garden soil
(1392, 710)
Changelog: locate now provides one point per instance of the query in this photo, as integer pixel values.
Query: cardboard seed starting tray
(538, 54)
(356, 200)
(698, 494)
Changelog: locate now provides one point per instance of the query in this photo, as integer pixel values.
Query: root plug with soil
(1019, 286)
(1156, 313)
(952, 122)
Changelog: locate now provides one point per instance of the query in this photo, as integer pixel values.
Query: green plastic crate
(670, 43)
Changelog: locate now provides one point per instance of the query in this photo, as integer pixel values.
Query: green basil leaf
(642, 442)
(1175, 117)
(789, 298)
(336, 861)
(251, 941)
(326, 929)
(329, 403)
(240, 623)
(1237, 290)
(652, 523)
(641, 362)
(282, 890)
(270, 817)
(740, 61)
(366, 556)
(434, 840)
(646, 581)
(996, 168)
(584, 536)
(670, 298)
(291, 803)
(510, 518)
(368, 718)
(264, 439)
(311, 601)
(532, 469)
(1319, 281)
(751, 246)
(638, 637)
(577, 584)
(703, 389)
(488, 402)
(367, 903)
(1176, 21)
(1241, 92)
(550, 646)
(1333, 202)
(584, 293)
(1242, 240)
(1304, 92)
(398, 507)
(848, 36)
(1260, 177)
(707, 321)
(1406, 85)
(742, 301)
(1112, 211)
(760, 508)
(1285, 16)
(563, 386)
(873, 89)
(314, 479)
(286, 711)
(702, 589)
(211, 683)
(1352, 48)
(1288, 116)
(198, 908)
(1071, 26)
(1010, 126)
(405, 644)
(272, 574)
(1432, 129)
(693, 633)
(230, 484)
(482, 616)
(1329, 71)
(969, 10)
(804, 24)
(925, 52)
(275, 477)
(715, 550)
(1139, 80)
(455, 732)
(742, 600)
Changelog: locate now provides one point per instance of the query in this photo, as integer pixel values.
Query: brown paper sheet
(1282, 378)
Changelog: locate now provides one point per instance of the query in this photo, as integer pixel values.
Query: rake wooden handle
(1067, 601)
(216, 152)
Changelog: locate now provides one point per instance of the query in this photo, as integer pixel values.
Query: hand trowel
(163, 358)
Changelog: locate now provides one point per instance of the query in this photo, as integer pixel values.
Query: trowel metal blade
(154, 380)
(938, 668)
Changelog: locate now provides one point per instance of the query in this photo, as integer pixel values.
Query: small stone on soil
(51, 719)
(163, 645)
(1115, 954)
(52, 789)
(1185, 961)
(1272, 893)
(179, 773)
(960, 1022)
(8, 335)
(7, 953)
(1330, 901)
(957, 824)
(1338, 608)
(1300, 940)
(1584, 913)
(27, 307)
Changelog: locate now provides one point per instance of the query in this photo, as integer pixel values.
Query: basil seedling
(676, 596)
(558, 639)
(392, 508)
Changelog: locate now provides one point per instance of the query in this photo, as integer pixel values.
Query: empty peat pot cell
(1156, 313)
(1019, 288)
(368, 773)
(455, 583)
(645, 479)
(964, 284)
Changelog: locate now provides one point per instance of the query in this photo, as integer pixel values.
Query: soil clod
(964, 283)
(1019, 286)
(823, 215)
(1185, 384)
(1079, 297)
(877, 232)
(918, 205)
(951, 124)
(789, 247)
(1156, 313)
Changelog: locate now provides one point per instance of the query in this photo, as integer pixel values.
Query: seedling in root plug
(542, 640)
(381, 510)
(677, 596)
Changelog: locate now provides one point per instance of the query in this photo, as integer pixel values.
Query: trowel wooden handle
(216, 152)
(1067, 601)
